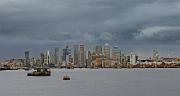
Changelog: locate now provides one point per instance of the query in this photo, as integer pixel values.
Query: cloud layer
(60, 22)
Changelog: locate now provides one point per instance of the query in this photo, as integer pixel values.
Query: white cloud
(151, 31)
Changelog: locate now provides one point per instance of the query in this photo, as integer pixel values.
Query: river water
(93, 82)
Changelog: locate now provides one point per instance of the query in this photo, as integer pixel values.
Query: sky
(134, 25)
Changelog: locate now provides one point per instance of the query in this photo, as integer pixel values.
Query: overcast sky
(134, 25)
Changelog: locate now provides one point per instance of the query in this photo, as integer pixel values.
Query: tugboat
(66, 77)
(40, 72)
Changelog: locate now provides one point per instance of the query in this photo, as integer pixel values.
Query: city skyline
(143, 53)
(100, 56)
(133, 25)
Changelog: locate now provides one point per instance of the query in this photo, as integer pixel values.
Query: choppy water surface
(93, 82)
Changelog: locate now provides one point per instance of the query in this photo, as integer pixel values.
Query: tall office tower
(27, 59)
(116, 54)
(66, 52)
(88, 59)
(57, 56)
(47, 58)
(76, 55)
(52, 58)
(133, 59)
(82, 56)
(107, 51)
(70, 60)
(155, 56)
(98, 50)
(42, 58)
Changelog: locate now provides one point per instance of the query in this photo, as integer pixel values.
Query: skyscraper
(82, 56)
(107, 51)
(27, 59)
(155, 56)
(47, 58)
(66, 55)
(98, 49)
(66, 51)
(89, 59)
(42, 57)
(116, 54)
(76, 55)
(52, 59)
(57, 56)
(133, 59)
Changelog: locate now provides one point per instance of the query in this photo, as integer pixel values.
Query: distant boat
(66, 77)
(40, 72)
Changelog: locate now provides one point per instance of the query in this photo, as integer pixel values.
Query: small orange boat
(66, 77)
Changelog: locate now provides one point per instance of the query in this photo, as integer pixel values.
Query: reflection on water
(93, 82)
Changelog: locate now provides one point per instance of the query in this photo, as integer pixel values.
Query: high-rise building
(98, 49)
(155, 56)
(27, 59)
(66, 55)
(82, 56)
(133, 59)
(57, 56)
(88, 59)
(76, 55)
(116, 54)
(47, 58)
(52, 58)
(42, 59)
(107, 51)
(69, 59)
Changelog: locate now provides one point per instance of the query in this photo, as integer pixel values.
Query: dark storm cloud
(89, 20)
(58, 22)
